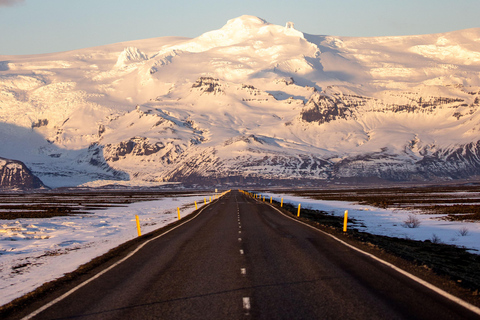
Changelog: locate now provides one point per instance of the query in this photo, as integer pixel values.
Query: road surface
(242, 259)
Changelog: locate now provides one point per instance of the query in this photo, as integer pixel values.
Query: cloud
(9, 3)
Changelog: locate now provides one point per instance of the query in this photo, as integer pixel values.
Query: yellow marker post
(281, 203)
(205, 200)
(210, 199)
(196, 207)
(263, 198)
(178, 211)
(270, 199)
(138, 226)
(298, 214)
(345, 219)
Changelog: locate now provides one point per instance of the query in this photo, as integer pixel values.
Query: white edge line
(51, 303)
(430, 286)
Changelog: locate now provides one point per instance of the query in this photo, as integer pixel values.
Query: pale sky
(43, 26)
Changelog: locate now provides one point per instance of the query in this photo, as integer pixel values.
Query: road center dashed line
(246, 304)
(243, 271)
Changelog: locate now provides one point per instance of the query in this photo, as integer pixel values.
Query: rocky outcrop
(14, 175)
(136, 146)
(208, 85)
(321, 108)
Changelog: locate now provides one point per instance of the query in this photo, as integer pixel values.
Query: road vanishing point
(240, 258)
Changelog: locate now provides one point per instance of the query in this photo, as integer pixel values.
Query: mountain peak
(246, 22)
(238, 30)
(130, 54)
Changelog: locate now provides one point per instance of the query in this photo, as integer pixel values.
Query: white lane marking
(51, 303)
(243, 271)
(239, 239)
(239, 231)
(394, 267)
(246, 304)
(241, 251)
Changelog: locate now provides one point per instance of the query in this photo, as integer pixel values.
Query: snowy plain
(36, 251)
(391, 222)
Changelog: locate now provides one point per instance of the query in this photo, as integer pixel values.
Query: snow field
(391, 222)
(36, 251)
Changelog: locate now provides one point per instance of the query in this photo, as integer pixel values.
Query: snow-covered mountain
(249, 102)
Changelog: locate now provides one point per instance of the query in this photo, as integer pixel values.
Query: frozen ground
(390, 222)
(35, 251)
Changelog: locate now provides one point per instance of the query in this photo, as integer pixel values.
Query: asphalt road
(242, 259)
